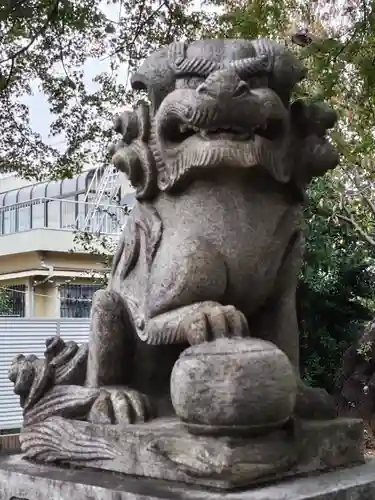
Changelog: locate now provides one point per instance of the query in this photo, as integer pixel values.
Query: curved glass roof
(58, 205)
(66, 188)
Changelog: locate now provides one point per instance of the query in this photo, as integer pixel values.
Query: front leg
(277, 323)
(112, 341)
(110, 362)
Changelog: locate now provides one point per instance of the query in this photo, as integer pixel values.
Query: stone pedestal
(165, 449)
(22, 480)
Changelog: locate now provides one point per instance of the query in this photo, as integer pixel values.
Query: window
(81, 183)
(75, 300)
(81, 210)
(13, 300)
(84, 181)
(53, 205)
(24, 208)
(2, 196)
(69, 187)
(113, 218)
(38, 217)
(68, 212)
(68, 203)
(97, 215)
(10, 212)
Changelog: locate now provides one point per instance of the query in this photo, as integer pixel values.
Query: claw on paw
(214, 321)
(121, 406)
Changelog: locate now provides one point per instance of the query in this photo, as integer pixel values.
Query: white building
(42, 271)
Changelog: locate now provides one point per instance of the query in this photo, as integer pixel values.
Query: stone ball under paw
(248, 384)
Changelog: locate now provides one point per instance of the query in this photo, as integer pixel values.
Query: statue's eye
(195, 81)
(189, 83)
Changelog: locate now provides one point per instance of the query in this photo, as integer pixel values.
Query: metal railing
(62, 214)
(107, 187)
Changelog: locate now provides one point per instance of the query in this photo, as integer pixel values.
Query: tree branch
(350, 220)
(369, 203)
(140, 26)
(42, 30)
(6, 81)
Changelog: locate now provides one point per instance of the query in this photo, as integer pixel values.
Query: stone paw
(213, 321)
(121, 405)
(314, 403)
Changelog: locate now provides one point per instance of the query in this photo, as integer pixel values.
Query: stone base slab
(20, 480)
(164, 449)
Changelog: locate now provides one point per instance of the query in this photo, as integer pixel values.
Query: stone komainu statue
(199, 319)
(213, 246)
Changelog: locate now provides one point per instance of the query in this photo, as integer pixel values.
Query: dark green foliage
(329, 322)
(336, 292)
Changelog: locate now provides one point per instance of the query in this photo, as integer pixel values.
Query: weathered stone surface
(63, 364)
(40, 482)
(328, 444)
(68, 401)
(212, 247)
(111, 336)
(164, 449)
(48, 387)
(230, 383)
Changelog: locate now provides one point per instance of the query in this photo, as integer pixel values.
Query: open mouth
(176, 132)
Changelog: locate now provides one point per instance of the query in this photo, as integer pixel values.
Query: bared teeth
(234, 133)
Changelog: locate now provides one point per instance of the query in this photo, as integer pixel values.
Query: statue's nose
(223, 84)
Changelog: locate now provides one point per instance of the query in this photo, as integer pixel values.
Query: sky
(40, 116)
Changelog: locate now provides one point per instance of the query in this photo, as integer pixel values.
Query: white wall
(28, 336)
